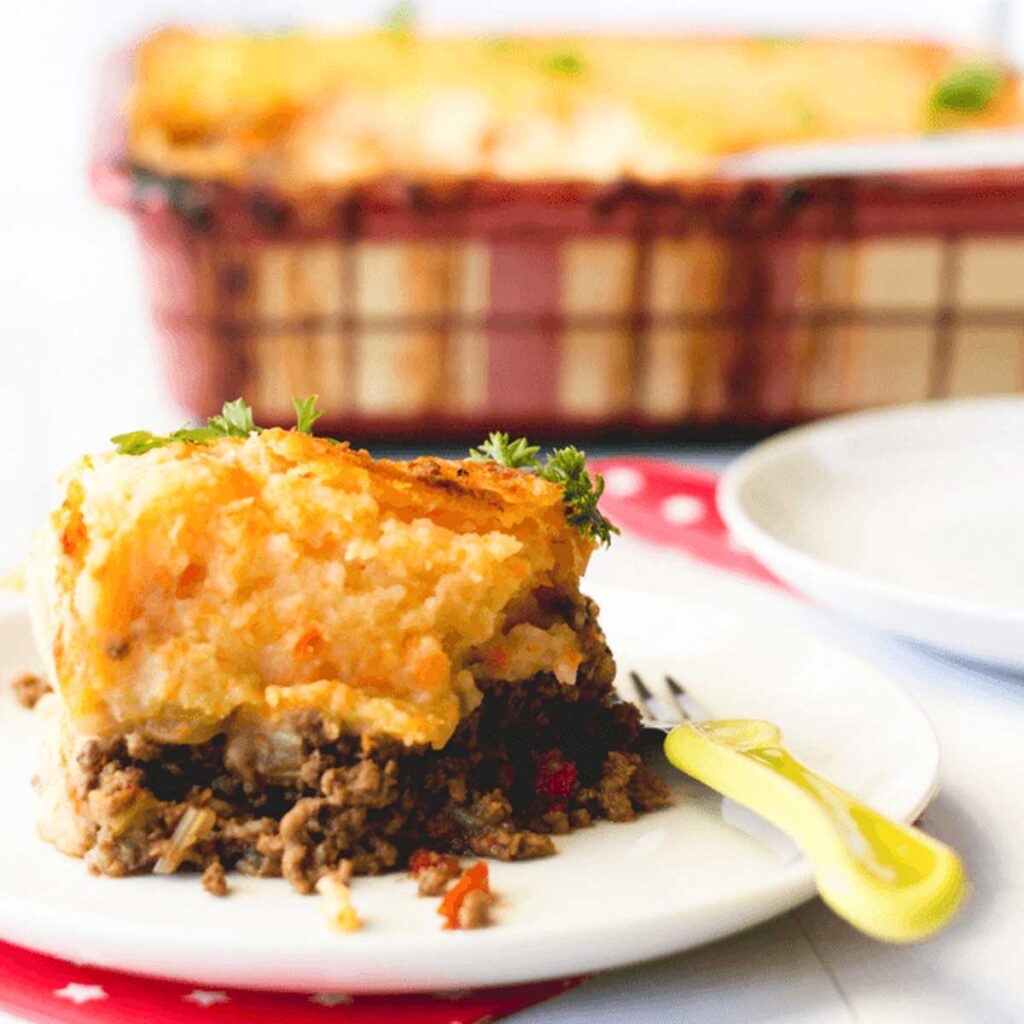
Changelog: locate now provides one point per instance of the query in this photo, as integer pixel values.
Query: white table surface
(76, 366)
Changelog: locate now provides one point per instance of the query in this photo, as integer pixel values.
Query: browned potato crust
(202, 588)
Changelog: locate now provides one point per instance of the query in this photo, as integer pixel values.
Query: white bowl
(910, 519)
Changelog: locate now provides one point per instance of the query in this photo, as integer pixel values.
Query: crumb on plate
(468, 903)
(341, 915)
(433, 871)
(28, 688)
(214, 880)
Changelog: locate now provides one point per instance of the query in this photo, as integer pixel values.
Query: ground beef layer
(535, 759)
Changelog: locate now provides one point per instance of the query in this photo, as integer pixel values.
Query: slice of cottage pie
(276, 654)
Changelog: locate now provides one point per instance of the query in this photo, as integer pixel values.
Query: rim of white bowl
(767, 546)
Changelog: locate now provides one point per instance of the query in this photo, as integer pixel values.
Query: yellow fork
(892, 881)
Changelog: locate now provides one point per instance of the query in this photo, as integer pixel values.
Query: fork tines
(650, 704)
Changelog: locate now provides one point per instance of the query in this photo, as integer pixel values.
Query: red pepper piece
(473, 879)
(556, 778)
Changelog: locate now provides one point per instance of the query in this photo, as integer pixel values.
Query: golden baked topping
(222, 586)
(303, 109)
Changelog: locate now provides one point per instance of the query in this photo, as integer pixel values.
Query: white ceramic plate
(911, 519)
(614, 894)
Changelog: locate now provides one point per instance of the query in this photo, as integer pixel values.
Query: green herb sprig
(306, 414)
(500, 44)
(968, 89)
(401, 19)
(234, 420)
(564, 62)
(581, 491)
(517, 454)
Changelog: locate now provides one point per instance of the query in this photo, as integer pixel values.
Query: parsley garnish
(518, 454)
(306, 414)
(768, 42)
(565, 62)
(500, 44)
(807, 116)
(234, 420)
(968, 89)
(137, 442)
(401, 19)
(581, 490)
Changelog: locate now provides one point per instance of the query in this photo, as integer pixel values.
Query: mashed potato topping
(302, 109)
(197, 589)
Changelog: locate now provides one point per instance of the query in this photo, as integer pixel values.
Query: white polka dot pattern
(33, 986)
(203, 998)
(330, 999)
(623, 482)
(683, 509)
(81, 994)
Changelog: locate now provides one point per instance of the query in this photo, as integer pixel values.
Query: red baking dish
(575, 309)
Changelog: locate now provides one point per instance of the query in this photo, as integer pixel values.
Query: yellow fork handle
(891, 881)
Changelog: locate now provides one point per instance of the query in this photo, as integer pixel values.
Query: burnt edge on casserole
(536, 758)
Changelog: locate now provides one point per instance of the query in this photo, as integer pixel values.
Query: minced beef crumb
(214, 880)
(299, 828)
(92, 755)
(433, 881)
(613, 790)
(475, 911)
(139, 748)
(29, 688)
(371, 802)
(433, 871)
(510, 844)
(557, 823)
